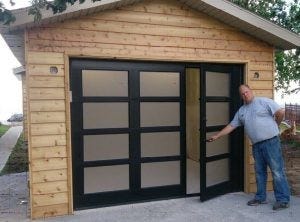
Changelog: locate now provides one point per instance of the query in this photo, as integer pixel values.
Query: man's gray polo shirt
(257, 118)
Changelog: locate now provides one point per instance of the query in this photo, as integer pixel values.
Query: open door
(221, 161)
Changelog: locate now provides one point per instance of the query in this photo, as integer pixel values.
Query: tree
(288, 16)
(36, 5)
(278, 11)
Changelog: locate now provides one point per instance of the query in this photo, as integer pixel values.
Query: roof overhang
(247, 22)
(222, 10)
(23, 20)
(19, 71)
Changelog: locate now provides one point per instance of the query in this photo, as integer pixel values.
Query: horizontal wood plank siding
(48, 164)
(150, 30)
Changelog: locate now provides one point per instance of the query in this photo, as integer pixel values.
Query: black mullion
(105, 131)
(160, 129)
(183, 130)
(214, 128)
(218, 99)
(218, 157)
(202, 129)
(237, 154)
(77, 126)
(106, 162)
(160, 159)
(134, 136)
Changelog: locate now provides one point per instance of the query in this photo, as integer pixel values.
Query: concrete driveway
(231, 207)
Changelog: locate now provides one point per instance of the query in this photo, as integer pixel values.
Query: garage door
(128, 131)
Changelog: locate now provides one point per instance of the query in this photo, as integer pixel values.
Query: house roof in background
(222, 10)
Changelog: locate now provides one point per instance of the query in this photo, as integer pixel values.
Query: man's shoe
(255, 202)
(280, 206)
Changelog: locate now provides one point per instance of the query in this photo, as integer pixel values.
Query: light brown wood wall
(150, 30)
(192, 114)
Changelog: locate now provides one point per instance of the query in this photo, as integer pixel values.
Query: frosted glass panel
(217, 113)
(160, 144)
(104, 83)
(219, 146)
(160, 114)
(106, 178)
(217, 172)
(106, 147)
(217, 84)
(105, 115)
(160, 174)
(159, 83)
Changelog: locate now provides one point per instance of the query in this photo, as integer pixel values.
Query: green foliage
(288, 70)
(3, 129)
(18, 159)
(5, 15)
(288, 16)
(56, 6)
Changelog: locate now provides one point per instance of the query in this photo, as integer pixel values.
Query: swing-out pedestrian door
(221, 161)
(128, 131)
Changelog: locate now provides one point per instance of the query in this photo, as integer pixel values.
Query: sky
(11, 87)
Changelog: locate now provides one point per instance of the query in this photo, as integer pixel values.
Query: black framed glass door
(221, 161)
(128, 131)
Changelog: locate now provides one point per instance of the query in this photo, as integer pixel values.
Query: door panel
(160, 144)
(160, 174)
(220, 146)
(105, 115)
(104, 83)
(217, 113)
(217, 172)
(217, 84)
(106, 178)
(105, 147)
(128, 131)
(160, 114)
(220, 171)
(160, 84)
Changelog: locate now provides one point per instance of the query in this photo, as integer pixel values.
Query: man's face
(246, 94)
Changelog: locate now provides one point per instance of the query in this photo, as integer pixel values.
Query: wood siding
(150, 30)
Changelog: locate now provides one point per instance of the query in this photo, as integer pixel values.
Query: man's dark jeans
(268, 153)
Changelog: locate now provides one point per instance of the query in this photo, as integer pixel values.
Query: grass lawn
(18, 159)
(3, 129)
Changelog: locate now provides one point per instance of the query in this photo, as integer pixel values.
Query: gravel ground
(14, 197)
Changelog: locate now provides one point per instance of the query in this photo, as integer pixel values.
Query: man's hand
(226, 130)
(213, 138)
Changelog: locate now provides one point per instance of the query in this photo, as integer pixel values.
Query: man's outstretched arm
(226, 130)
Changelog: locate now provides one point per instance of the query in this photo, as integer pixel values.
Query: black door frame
(236, 141)
(135, 193)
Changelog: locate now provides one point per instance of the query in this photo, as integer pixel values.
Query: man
(260, 118)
